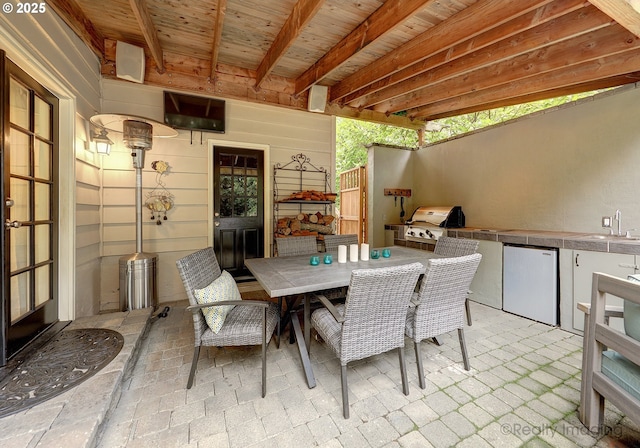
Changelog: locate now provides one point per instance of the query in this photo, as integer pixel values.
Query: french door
(29, 151)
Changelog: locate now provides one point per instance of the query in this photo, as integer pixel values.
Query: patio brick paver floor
(523, 390)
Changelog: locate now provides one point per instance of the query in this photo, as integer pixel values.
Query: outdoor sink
(624, 238)
(613, 237)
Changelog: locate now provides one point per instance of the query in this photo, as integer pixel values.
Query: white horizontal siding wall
(44, 47)
(282, 132)
(88, 203)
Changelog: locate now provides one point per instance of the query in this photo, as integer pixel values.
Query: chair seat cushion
(335, 293)
(243, 326)
(622, 372)
(632, 319)
(221, 289)
(632, 314)
(328, 328)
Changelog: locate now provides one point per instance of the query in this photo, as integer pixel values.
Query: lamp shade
(115, 123)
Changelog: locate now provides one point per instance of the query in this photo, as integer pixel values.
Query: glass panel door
(29, 216)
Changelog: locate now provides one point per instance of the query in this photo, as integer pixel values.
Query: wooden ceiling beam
(625, 12)
(492, 52)
(148, 29)
(592, 46)
(75, 18)
(555, 21)
(178, 65)
(599, 84)
(373, 116)
(303, 11)
(617, 65)
(217, 35)
(462, 26)
(388, 16)
(191, 75)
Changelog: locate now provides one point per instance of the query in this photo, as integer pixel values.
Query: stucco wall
(388, 167)
(559, 170)
(282, 133)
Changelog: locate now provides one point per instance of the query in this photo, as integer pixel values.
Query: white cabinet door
(486, 287)
(530, 283)
(585, 263)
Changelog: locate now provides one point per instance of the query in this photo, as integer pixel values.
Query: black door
(29, 190)
(238, 186)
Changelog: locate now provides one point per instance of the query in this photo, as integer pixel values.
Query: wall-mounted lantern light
(103, 143)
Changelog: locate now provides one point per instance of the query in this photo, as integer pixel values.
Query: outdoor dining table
(287, 276)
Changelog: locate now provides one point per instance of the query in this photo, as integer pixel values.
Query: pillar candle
(353, 252)
(342, 253)
(364, 252)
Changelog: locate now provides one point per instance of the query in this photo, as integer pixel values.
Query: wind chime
(159, 200)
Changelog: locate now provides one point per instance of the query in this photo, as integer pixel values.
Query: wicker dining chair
(250, 322)
(296, 245)
(457, 247)
(331, 242)
(440, 302)
(290, 247)
(372, 319)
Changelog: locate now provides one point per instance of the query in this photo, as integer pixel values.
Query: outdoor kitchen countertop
(598, 242)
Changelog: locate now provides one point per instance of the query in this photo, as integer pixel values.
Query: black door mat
(67, 360)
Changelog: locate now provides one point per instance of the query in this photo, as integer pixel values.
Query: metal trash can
(138, 281)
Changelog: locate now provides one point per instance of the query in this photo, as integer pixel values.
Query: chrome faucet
(618, 218)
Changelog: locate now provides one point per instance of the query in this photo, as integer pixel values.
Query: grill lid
(443, 216)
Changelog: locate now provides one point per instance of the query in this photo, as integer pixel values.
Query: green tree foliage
(352, 136)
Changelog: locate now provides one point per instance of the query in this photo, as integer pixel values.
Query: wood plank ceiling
(402, 62)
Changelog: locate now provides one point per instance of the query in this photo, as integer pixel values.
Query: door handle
(9, 202)
(627, 265)
(12, 224)
(217, 223)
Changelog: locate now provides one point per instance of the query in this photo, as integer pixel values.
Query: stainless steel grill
(429, 223)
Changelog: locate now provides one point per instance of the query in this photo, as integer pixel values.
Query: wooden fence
(353, 203)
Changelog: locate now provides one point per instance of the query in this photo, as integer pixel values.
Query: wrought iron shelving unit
(297, 175)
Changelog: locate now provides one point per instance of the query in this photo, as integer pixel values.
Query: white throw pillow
(221, 289)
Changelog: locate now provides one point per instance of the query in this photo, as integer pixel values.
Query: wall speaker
(129, 62)
(317, 98)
